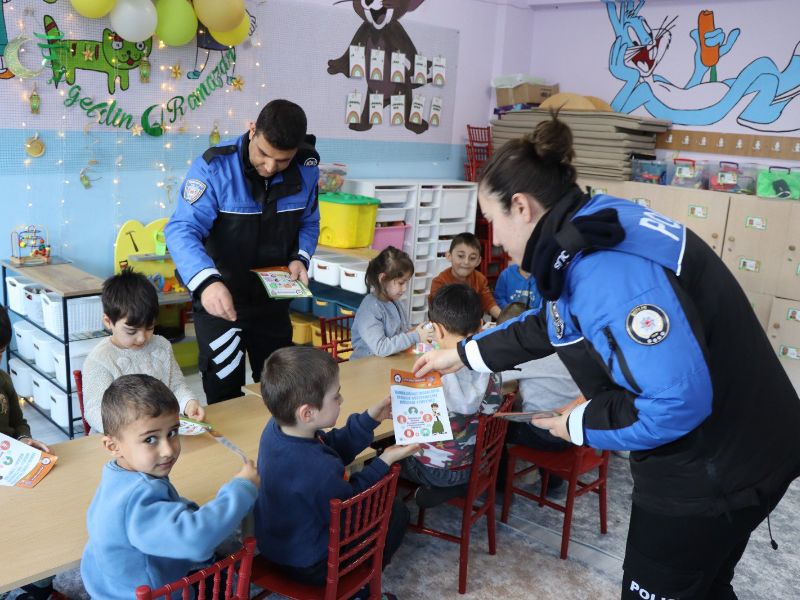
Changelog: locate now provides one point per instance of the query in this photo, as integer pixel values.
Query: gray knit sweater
(381, 328)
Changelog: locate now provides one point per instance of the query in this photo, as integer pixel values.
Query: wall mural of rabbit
(381, 29)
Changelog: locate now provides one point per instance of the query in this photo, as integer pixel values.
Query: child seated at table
(443, 468)
(141, 532)
(464, 257)
(130, 308)
(515, 285)
(381, 326)
(303, 467)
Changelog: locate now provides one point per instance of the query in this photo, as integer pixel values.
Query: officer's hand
(217, 301)
(298, 271)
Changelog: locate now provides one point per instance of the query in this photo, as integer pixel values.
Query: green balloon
(177, 23)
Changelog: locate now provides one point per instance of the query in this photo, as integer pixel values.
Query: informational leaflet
(419, 410)
(22, 465)
(279, 284)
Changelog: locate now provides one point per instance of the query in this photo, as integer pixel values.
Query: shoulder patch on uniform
(192, 190)
(311, 162)
(647, 324)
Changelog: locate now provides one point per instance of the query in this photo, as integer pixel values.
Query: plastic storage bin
(394, 235)
(59, 409)
(301, 328)
(21, 376)
(40, 390)
(31, 300)
(43, 348)
(324, 307)
(78, 351)
(779, 182)
(733, 177)
(316, 334)
(346, 220)
(331, 177)
(649, 171)
(326, 270)
(688, 173)
(353, 277)
(23, 334)
(455, 203)
(15, 285)
(390, 214)
(84, 314)
(301, 305)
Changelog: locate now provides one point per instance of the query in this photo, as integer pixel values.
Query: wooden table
(64, 279)
(45, 527)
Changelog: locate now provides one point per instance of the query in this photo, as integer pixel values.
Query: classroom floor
(527, 564)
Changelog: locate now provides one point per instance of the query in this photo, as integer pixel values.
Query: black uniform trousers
(258, 331)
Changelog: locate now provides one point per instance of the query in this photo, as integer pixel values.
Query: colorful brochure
(22, 465)
(419, 410)
(279, 284)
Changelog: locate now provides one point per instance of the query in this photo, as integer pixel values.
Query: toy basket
(85, 314)
(346, 220)
(687, 173)
(16, 292)
(31, 301)
(649, 171)
(733, 177)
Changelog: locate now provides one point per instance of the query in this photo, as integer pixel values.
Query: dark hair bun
(552, 140)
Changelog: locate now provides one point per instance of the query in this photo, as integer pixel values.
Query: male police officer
(245, 204)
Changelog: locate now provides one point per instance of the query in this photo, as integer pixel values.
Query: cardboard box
(525, 93)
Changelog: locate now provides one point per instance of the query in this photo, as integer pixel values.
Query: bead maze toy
(30, 246)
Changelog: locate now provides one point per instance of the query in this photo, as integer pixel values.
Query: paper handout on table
(419, 409)
(22, 465)
(279, 284)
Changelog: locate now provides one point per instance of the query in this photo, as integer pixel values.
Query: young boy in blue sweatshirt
(303, 467)
(141, 532)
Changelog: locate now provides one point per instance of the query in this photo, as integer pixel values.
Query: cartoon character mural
(206, 44)
(638, 49)
(5, 73)
(112, 55)
(381, 30)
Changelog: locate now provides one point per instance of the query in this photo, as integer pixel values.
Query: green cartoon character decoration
(113, 56)
(438, 427)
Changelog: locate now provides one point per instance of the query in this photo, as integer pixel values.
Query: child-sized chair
(79, 392)
(336, 336)
(240, 578)
(489, 442)
(356, 539)
(567, 464)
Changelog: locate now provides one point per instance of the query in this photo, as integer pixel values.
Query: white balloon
(134, 20)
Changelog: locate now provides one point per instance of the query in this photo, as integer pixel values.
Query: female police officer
(661, 339)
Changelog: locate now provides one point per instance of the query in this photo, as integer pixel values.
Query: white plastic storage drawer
(422, 283)
(31, 300)
(390, 214)
(424, 232)
(78, 351)
(455, 203)
(59, 408)
(352, 277)
(418, 300)
(423, 250)
(426, 196)
(396, 194)
(41, 389)
(23, 334)
(21, 377)
(326, 270)
(455, 228)
(15, 285)
(84, 314)
(419, 316)
(43, 348)
(424, 267)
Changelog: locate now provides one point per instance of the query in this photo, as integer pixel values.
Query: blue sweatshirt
(299, 478)
(511, 287)
(141, 532)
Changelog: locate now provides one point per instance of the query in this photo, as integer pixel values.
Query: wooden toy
(30, 246)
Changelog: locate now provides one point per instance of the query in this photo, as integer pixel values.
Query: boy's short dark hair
(511, 310)
(131, 296)
(295, 376)
(457, 308)
(132, 397)
(468, 239)
(5, 328)
(283, 124)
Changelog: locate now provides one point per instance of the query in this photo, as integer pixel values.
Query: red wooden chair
(227, 565)
(477, 157)
(489, 443)
(567, 464)
(336, 337)
(79, 391)
(480, 136)
(357, 536)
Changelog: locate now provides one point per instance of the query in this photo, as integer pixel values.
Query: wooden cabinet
(789, 270)
(784, 334)
(705, 213)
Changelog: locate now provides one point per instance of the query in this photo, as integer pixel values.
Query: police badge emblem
(311, 162)
(558, 322)
(647, 324)
(192, 190)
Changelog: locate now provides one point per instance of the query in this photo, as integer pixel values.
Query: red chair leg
(491, 524)
(507, 493)
(463, 557)
(603, 508)
(545, 482)
(571, 488)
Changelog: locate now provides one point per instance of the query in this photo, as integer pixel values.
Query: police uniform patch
(192, 190)
(647, 324)
(311, 162)
(558, 322)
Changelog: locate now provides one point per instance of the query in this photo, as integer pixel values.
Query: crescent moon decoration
(13, 62)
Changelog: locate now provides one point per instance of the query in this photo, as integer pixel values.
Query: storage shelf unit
(70, 284)
(436, 210)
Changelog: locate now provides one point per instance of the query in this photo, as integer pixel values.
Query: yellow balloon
(93, 9)
(220, 15)
(234, 37)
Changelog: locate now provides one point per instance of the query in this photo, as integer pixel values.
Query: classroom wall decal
(765, 96)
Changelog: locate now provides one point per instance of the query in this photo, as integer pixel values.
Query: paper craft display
(398, 67)
(279, 284)
(190, 427)
(438, 72)
(358, 62)
(436, 112)
(419, 410)
(22, 465)
(420, 69)
(398, 109)
(376, 109)
(417, 108)
(376, 62)
(353, 110)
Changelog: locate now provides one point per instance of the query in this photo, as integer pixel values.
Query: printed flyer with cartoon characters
(22, 465)
(419, 410)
